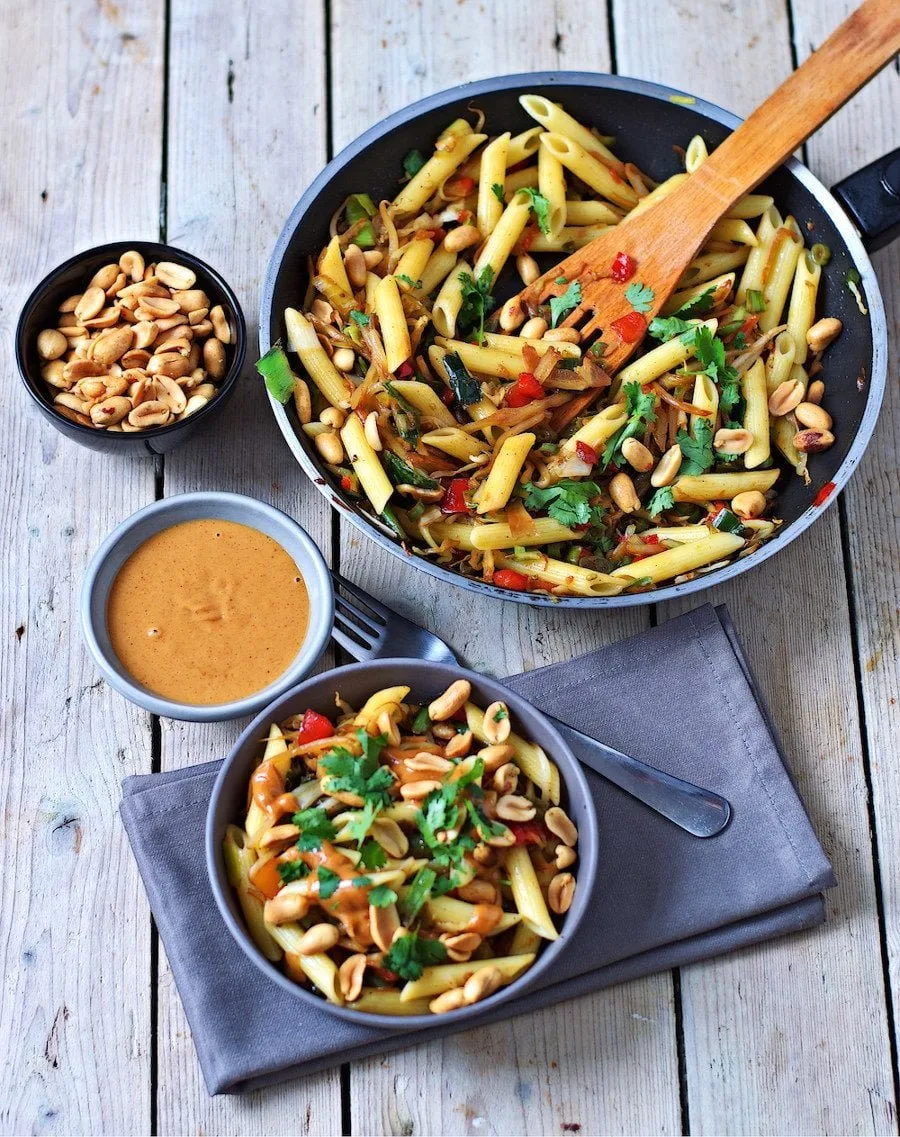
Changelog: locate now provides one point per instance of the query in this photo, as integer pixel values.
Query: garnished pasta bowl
(647, 486)
(435, 882)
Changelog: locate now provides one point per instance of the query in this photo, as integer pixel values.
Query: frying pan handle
(871, 196)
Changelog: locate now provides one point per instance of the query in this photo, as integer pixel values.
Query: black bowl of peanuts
(131, 347)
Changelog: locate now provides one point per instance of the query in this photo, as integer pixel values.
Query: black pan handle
(872, 198)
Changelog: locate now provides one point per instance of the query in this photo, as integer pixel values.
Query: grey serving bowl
(355, 683)
(134, 531)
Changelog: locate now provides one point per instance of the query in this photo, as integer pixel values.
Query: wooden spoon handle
(867, 40)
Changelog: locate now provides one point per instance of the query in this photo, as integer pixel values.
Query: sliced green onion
(756, 302)
(573, 556)
(821, 254)
(276, 371)
(728, 522)
(519, 550)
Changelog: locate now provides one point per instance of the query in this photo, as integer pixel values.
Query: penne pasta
(426, 401)
(591, 170)
(302, 339)
(392, 322)
(756, 415)
(365, 463)
(802, 309)
(501, 481)
(491, 178)
(552, 185)
(435, 980)
(688, 556)
(527, 893)
(778, 274)
(552, 117)
(714, 487)
(436, 170)
(499, 535)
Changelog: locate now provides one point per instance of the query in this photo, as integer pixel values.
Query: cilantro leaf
(485, 827)
(360, 826)
(417, 893)
(408, 280)
(328, 882)
(498, 192)
(315, 827)
(361, 881)
(561, 306)
(413, 162)
(540, 206)
(568, 501)
(697, 449)
(359, 318)
(422, 721)
(438, 812)
(641, 408)
(363, 775)
(292, 870)
(476, 301)
(667, 328)
(662, 500)
(382, 896)
(371, 855)
(711, 352)
(409, 954)
(699, 305)
(640, 296)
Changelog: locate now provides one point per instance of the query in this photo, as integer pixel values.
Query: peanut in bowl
(455, 888)
(133, 312)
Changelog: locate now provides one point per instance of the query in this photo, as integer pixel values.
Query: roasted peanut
(104, 277)
(150, 413)
(333, 417)
(505, 780)
(51, 344)
(527, 268)
(637, 455)
(370, 429)
(175, 276)
(110, 411)
(355, 266)
(512, 314)
(496, 756)
(219, 321)
(561, 825)
(191, 299)
(561, 892)
(214, 358)
(478, 892)
(450, 1000)
(157, 306)
(462, 237)
(389, 836)
(373, 258)
(623, 493)
(459, 745)
(749, 504)
(90, 303)
(318, 938)
(564, 857)
(667, 468)
(786, 397)
(823, 332)
(562, 335)
(383, 922)
(814, 416)
(428, 764)
(460, 945)
(415, 791)
(453, 699)
(496, 725)
(330, 447)
(483, 983)
(132, 264)
(813, 441)
(350, 976)
(285, 907)
(815, 393)
(54, 374)
(514, 807)
(733, 441)
(534, 328)
(344, 359)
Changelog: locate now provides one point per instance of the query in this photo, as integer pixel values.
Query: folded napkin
(679, 696)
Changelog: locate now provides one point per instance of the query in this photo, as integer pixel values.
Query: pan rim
(662, 93)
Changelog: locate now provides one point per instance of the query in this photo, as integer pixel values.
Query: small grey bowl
(427, 680)
(134, 531)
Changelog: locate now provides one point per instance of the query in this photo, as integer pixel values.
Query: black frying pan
(648, 121)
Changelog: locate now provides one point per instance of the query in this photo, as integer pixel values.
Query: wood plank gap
(870, 794)
(611, 36)
(154, 1027)
(683, 1094)
(164, 162)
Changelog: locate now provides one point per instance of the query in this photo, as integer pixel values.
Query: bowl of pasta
(488, 440)
(401, 839)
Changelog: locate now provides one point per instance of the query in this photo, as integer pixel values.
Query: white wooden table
(201, 123)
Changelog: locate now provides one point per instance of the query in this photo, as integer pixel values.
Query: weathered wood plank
(448, 1087)
(763, 1029)
(74, 928)
(240, 154)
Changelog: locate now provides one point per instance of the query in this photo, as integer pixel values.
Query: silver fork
(368, 629)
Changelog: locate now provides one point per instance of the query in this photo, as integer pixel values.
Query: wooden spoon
(665, 238)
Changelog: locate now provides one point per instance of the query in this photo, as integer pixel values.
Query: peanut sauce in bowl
(206, 606)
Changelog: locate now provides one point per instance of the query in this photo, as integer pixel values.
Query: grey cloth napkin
(679, 696)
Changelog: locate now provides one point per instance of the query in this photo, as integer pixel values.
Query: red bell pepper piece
(586, 453)
(528, 832)
(314, 727)
(405, 370)
(509, 578)
(623, 267)
(525, 390)
(630, 328)
(454, 500)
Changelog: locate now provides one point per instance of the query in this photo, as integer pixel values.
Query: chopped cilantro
(568, 501)
(476, 301)
(561, 306)
(485, 827)
(700, 304)
(292, 870)
(662, 500)
(361, 881)
(640, 296)
(359, 318)
(360, 826)
(382, 896)
(410, 954)
(540, 206)
(417, 893)
(328, 882)
(697, 449)
(422, 721)
(711, 352)
(315, 827)
(371, 855)
(276, 371)
(641, 412)
(498, 192)
(362, 776)
(413, 162)
(408, 280)
(668, 327)
(739, 342)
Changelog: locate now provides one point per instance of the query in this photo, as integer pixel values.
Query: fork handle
(867, 40)
(697, 811)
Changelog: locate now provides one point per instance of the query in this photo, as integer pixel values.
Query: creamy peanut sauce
(207, 611)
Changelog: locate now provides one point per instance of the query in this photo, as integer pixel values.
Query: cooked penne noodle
(238, 860)
(733, 229)
(706, 398)
(491, 174)
(756, 415)
(412, 264)
(752, 205)
(365, 463)
(506, 232)
(717, 290)
(373, 706)
(426, 401)
(561, 576)
(708, 266)
(524, 940)
(451, 440)
(778, 275)
(452, 915)
(695, 154)
(303, 340)
(387, 1001)
(530, 758)
(570, 237)
(686, 557)
(527, 893)
(522, 146)
(657, 194)
(392, 322)
(590, 213)
(660, 359)
(435, 171)
(752, 276)
(444, 977)
(552, 185)
(552, 117)
(499, 535)
(781, 362)
(521, 179)
(515, 345)
(335, 285)
(715, 487)
(440, 265)
(485, 360)
(802, 308)
(590, 169)
(497, 489)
